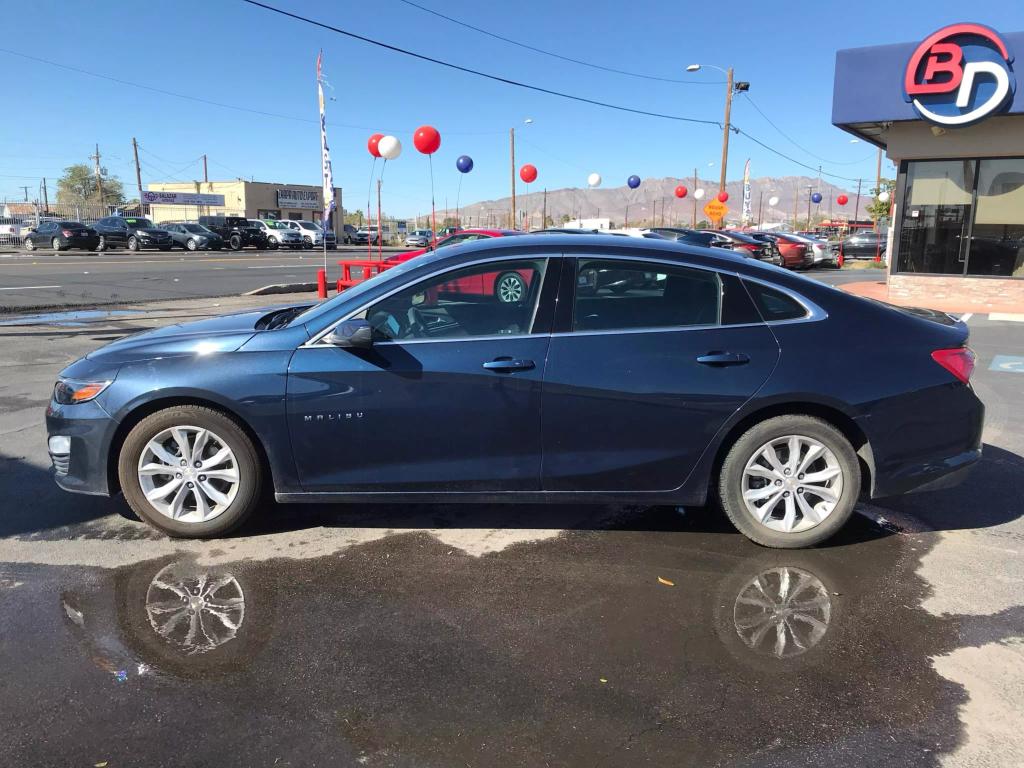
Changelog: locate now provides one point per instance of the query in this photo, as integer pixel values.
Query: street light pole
(725, 128)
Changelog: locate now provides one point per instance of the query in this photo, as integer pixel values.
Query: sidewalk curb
(270, 290)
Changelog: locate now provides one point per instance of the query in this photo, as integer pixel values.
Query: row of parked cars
(206, 233)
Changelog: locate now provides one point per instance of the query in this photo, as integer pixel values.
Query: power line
(557, 55)
(774, 151)
(478, 73)
(797, 144)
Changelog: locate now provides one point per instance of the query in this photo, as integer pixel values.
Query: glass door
(937, 207)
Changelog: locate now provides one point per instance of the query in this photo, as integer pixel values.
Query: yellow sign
(715, 210)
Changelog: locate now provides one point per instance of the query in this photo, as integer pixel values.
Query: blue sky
(230, 52)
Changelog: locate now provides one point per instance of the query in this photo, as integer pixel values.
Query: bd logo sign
(959, 75)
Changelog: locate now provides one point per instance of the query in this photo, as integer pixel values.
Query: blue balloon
(633, 181)
(464, 163)
(816, 197)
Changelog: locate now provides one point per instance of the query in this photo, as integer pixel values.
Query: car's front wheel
(191, 244)
(133, 243)
(190, 471)
(791, 481)
(29, 245)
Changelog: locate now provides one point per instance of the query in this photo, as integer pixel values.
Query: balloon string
(369, 187)
(433, 214)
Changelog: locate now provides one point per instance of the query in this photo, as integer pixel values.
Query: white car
(418, 238)
(311, 234)
(11, 230)
(279, 234)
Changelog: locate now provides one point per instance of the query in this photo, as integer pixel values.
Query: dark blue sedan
(626, 370)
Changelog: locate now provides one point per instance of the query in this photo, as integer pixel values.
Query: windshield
(138, 222)
(308, 225)
(355, 292)
(198, 229)
(276, 224)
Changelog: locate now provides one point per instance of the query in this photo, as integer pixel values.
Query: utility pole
(512, 155)
(760, 209)
(99, 176)
(138, 171)
(809, 188)
(206, 176)
(26, 193)
(796, 203)
(878, 180)
(725, 129)
(856, 206)
(46, 196)
(544, 214)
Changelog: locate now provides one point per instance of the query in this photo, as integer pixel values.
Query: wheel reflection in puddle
(782, 612)
(195, 611)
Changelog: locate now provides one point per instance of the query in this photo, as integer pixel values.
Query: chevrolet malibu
(711, 377)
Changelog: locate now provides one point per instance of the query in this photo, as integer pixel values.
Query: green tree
(565, 218)
(879, 210)
(78, 187)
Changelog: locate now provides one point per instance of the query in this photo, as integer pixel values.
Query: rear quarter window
(775, 305)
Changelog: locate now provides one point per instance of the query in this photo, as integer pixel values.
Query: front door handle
(508, 364)
(723, 358)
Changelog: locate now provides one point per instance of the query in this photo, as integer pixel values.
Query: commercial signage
(960, 75)
(182, 198)
(715, 210)
(306, 199)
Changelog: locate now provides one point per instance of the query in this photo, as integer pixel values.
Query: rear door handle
(508, 364)
(724, 358)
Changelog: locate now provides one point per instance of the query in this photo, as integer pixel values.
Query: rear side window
(775, 305)
(619, 295)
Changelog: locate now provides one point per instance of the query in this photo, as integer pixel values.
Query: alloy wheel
(29, 245)
(510, 289)
(792, 483)
(190, 244)
(55, 244)
(196, 612)
(782, 612)
(188, 474)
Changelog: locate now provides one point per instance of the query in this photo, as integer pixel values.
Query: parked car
(796, 254)
(418, 238)
(348, 235)
(365, 235)
(237, 231)
(758, 249)
(695, 389)
(133, 232)
(448, 231)
(11, 229)
(193, 237)
(312, 235)
(460, 237)
(822, 252)
(279, 234)
(863, 245)
(61, 235)
(702, 237)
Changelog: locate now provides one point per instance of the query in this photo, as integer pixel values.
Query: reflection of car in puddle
(178, 618)
(782, 612)
(195, 611)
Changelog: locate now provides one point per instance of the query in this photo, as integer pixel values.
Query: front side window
(997, 239)
(493, 299)
(619, 295)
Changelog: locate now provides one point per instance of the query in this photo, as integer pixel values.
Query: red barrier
(321, 283)
(367, 269)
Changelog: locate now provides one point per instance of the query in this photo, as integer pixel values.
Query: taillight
(750, 247)
(959, 361)
(67, 232)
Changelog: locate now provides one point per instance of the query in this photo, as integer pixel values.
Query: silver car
(279, 234)
(418, 238)
(822, 251)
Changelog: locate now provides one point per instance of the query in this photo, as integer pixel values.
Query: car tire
(779, 520)
(235, 242)
(510, 288)
(237, 496)
(307, 242)
(273, 244)
(191, 244)
(102, 244)
(133, 243)
(55, 244)
(29, 245)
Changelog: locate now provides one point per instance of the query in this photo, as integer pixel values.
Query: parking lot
(494, 635)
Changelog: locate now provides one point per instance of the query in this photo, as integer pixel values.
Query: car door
(447, 399)
(643, 370)
(41, 236)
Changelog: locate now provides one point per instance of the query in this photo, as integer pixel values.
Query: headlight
(69, 391)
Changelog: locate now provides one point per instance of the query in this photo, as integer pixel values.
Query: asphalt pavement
(503, 635)
(45, 279)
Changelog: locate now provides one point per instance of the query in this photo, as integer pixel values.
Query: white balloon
(389, 147)
(773, 201)
(883, 196)
(594, 180)
(698, 194)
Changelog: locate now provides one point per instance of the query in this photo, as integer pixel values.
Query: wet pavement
(503, 636)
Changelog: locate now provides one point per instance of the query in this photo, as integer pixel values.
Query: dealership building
(176, 201)
(948, 113)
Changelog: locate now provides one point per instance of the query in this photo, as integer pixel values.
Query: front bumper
(90, 430)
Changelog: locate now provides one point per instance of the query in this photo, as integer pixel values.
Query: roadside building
(947, 111)
(252, 199)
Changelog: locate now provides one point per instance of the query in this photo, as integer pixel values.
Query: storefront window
(264, 213)
(997, 240)
(936, 216)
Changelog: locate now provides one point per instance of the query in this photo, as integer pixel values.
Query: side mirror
(351, 334)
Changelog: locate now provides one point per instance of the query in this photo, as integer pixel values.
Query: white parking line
(966, 316)
(1012, 317)
(28, 287)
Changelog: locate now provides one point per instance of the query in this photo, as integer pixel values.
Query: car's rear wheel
(510, 288)
(55, 244)
(235, 242)
(791, 481)
(190, 471)
(133, 243)
(102, 244)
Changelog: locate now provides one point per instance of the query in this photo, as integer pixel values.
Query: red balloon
(528, 173)
(842, 199)
(680, 191)
(426, 139)
(723, 196)
(373, 142)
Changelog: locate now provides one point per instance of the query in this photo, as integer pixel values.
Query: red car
(796, 254)
(509, 287)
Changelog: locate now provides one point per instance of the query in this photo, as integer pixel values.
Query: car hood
(216, 334)
(152, 231)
